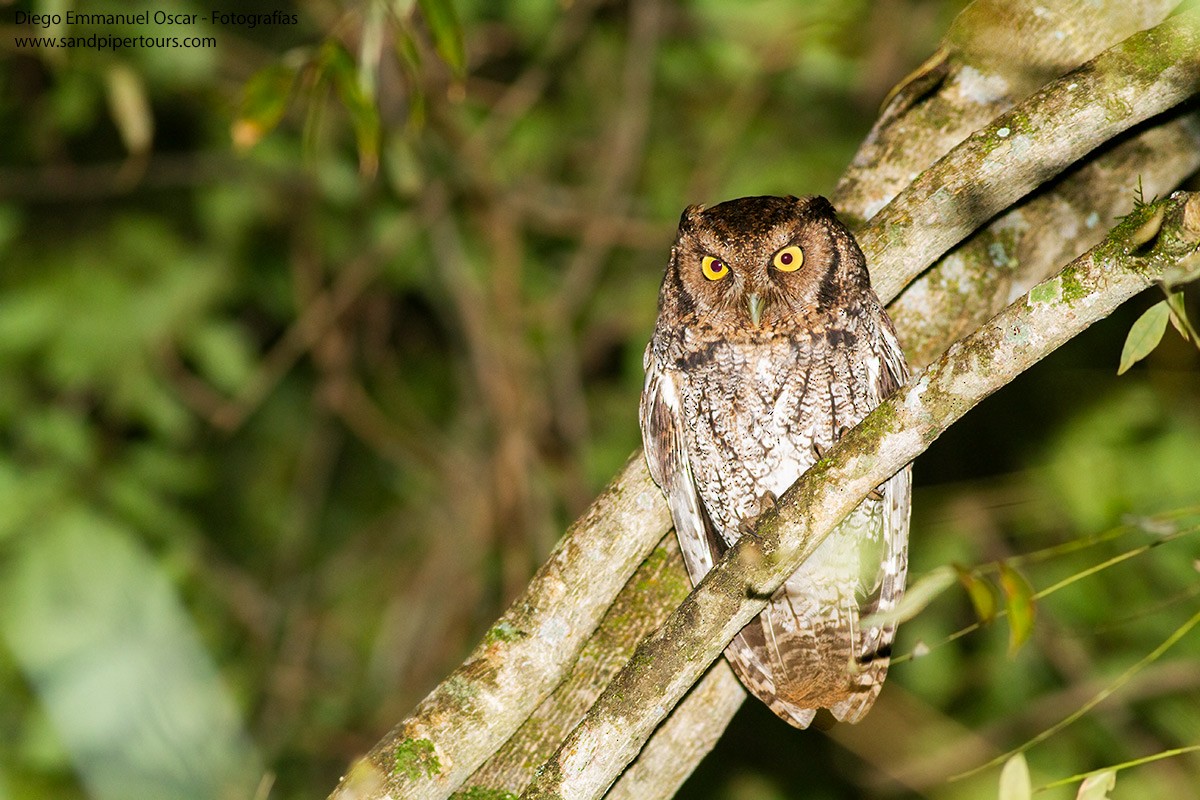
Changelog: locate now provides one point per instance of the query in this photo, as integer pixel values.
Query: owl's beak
(754, 304)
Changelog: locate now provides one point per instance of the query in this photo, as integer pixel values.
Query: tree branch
(1033, 239)
(997, 53)
(524, 655)
(659, 585)
(1145, 75)
(1161, 242)
(688, 734)
(478, 708)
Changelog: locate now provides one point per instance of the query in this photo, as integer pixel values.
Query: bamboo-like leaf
(370, 49)
(1096, 700)
(263, 102)
(1097, 787)
(1144, 336)
(919, 595)
(408, 55)
(1115, 768)
(1145, 524)
(130, 109)
(980, 590)
(1015, 783)
(338, 64)
(447, 31)
(1020, 604)
(1179, 318)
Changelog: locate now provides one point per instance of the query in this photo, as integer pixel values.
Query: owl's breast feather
(751, 416)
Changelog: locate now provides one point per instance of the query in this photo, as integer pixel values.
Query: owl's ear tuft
(819, 206)
(690, 215)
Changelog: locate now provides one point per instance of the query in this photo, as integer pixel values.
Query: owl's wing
(874, 644)
(873, 649)
(666, 455)
(665, 443)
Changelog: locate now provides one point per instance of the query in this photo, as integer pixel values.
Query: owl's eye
(788, 259)
(713, 268)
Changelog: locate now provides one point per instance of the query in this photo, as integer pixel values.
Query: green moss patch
(416, 758)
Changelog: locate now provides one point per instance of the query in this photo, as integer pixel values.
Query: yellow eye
(788, 259)
(713, 268)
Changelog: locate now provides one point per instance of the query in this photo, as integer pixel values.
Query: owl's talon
(767, 502)
(875, 494)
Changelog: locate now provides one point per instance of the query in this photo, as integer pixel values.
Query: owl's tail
(754, 673)
(808, 650)
(807, 663)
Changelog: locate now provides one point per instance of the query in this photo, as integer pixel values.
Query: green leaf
(919, 595)
(1097, 787)
(1020, 604)
(130, 109)
(1014, 779)
(102, 635)
(338, 64)
(264, 99)
(1144, 336)
(447, 32)
(223, 354)
(980, 590)
(1179, 318)
(408, 55)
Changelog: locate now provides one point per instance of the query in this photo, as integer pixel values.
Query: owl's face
(761, 265)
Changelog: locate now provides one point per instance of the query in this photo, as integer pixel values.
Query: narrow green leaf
(370, 50)
(1144, 336)
(1014, 779)
(1019, 601)
(980, 590)
(130, 109)
(1097, 787)
(407, 51)
(364, 116)
(1179, 318)
(263, 102)
(1115, 768)
(919, 595)
(409, 57)
(447, 32)
(1178, 313)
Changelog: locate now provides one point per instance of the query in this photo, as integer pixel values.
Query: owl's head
(760, 265)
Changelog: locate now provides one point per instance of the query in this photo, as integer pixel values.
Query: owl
(770, 344)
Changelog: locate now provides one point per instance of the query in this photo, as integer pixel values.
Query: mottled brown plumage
(769, 345)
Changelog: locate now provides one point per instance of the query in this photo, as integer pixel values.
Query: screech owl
(770, 343)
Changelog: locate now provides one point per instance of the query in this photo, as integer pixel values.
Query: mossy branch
(1147, 74)
(524, 655)
(1161, 241)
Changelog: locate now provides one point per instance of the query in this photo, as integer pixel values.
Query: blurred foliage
(312, 343)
